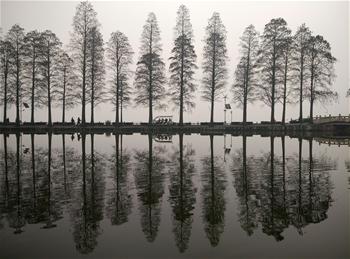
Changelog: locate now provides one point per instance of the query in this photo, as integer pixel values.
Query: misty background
(329, 19)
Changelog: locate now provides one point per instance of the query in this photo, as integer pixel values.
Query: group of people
(73, 121)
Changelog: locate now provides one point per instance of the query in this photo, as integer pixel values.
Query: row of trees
(274, 191)
(279, 67)
(276, 67)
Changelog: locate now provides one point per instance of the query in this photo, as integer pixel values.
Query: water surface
(180, 196)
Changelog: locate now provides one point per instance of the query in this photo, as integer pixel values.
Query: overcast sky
(329, 19)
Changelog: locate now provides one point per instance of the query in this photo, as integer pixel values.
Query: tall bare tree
(300, 46)
(182, 66)
(65, 90)
(214, 64)
(246, 82)
(15, 38)
(6, 67)
(32, 65)
(119, 53)
(84, 20)
(320, 63)
(287, 49)
(50, 49)
(150, 72)
(273, 38)
(96, 70)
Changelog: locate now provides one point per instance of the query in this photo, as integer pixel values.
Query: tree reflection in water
(119, 201)
(182, 193)
(277, 192)
(214, 181)
(149, 177)
(87, 206)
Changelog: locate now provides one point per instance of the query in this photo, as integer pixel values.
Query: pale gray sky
(330, 19)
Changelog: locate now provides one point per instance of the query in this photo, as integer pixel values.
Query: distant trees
(85, 19)
(214, 64)
(96, 69)
(150, 72)
(51, 49)
(245, 86)
(271, 62)
(119, 54)
(182, 66)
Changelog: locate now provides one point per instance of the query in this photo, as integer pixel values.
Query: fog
(329, 19)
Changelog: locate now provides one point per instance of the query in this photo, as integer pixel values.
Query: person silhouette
(72, 120)
(79, 120)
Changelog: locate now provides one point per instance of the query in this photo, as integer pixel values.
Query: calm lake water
(180, 196)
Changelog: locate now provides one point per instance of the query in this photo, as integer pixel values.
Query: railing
(329, 118)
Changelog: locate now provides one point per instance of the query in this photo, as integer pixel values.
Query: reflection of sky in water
(211, 219)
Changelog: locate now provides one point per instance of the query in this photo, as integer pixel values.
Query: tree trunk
(285, 90)
(301, 87)
(312, 92)
(5, 92)
(118, 89)
(150, 114)
(182, 82)
(49, 88)
(83, 120)
(273, 87)
(17, 84)
(213, 81)
(33, 87)
(92, 120)
(64, 97)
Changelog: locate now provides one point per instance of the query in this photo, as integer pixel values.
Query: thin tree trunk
(33, 87)
(213, 81)
(273, 88)
(64, 97)
(5, 91)
(301, 86)
(49, 86)
(17, 84)
(285, 90)
(150, 115)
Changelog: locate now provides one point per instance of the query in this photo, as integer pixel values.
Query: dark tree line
(276, 67)
(279, 67)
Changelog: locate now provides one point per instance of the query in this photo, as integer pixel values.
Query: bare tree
(32, 65)
(182, 66)
(84, 20)
(15, 38)
(286, 56)
(271, 62)
(300, 49)
(96, 69)
(150, 74)
(119, 53)
(6, 67)
(246, 82)
(320, 64)
(214, 65)
(50, 50)
(65, 90)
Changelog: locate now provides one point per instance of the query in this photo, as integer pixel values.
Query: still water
(180, 196)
